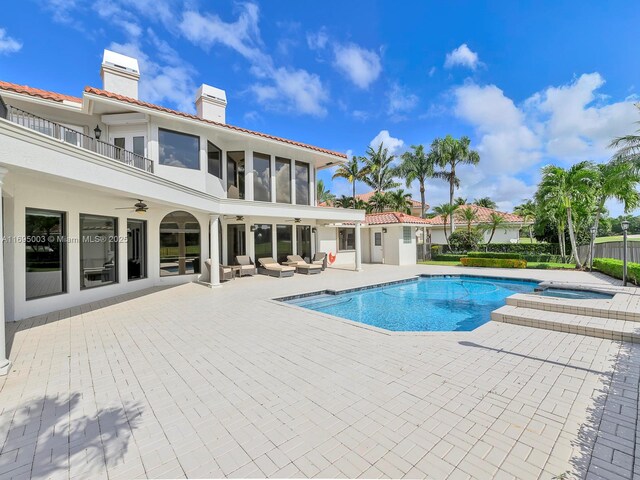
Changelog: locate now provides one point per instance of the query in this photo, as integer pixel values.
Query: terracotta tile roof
(483, 214)
(36, 92)
(366, 196)
(387, 218)
(133, 101)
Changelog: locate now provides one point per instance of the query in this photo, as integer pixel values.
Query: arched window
(179, 244)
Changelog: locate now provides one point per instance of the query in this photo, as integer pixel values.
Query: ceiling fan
(138, 207)
(239, 218)
(295, 220)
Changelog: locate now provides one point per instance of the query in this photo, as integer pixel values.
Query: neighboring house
(508, 234)
(105, 194)
(416, 206)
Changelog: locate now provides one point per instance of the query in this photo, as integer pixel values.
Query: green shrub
(517, 256)
(447, 257)
(543, 257)
(525, 248)
(613, 268)
(493, 262)
(464, 241)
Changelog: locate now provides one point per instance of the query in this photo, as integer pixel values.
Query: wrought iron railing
(73, 137)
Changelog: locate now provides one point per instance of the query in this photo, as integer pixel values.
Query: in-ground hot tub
(575, 294)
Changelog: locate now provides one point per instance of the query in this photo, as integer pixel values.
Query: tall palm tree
(628, 147)
(450, 153)
(417, 165)
(400, 201)
(379, 170)
(485, 202)
(527, 211)
(496, 222)
(323, 195)
(572, 190)
(352, 172)
(460, 201)
(445, 211)
(378, 202)
(617, 179)
(468, 215)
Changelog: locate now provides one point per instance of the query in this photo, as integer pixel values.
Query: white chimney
(211, 103)
(120, 74)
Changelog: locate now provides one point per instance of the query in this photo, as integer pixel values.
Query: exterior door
(377, 255)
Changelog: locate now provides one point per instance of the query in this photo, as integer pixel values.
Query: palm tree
(617, 179)
(450, 152)
(460, 201)
(322, 195)
(628, 147)
(485, 202)
(379, 170)
(496, 222)
(467, 215)
(378, 202)
(350, 171)
(360, 204)
(445, 211)
(569, 190)
(400, 201)
(528, 213)
(343, 202)
(417, 165)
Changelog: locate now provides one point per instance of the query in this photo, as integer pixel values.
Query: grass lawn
(618, 238)
(532, 265)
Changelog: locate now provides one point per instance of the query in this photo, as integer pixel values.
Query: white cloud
(393, 145)
(318, 40)
(400, 101)
(432, 71)
(7, 44)
(462, 56)
(278, 88)
(359, 65)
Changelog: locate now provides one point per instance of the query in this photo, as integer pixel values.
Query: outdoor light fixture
(253, 228)
(384, 230)
(625, 227)
(97, 132)
(314, 230)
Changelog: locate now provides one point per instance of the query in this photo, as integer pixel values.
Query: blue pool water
(574, 294)
(429, 304)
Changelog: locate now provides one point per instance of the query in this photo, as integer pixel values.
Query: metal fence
(73, 137)
(612, 250)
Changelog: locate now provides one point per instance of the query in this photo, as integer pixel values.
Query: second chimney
(120, 74)
(211, 103)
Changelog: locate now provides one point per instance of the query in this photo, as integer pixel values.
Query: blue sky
(530, 82)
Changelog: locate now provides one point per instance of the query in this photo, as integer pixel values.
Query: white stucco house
(104, 194)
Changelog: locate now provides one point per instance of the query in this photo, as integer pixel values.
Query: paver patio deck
(196, 382)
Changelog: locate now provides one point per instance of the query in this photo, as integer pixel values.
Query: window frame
(308, 169)
(347, 249)
(116, 250)
(220, 152)
(406, 235)
(262, 157)
(284, 161)
(175, 132)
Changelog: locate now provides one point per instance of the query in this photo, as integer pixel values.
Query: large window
(236, 244)
(214, 156)
(136, 249)
(179, 244)
(263, 241)
(179, 149)
(235, 174)
(346, 239)
(303, 241)
(284, 239)
(98, 251)
(283, 180)
(261, 177)
(45, 253)
(302, 183)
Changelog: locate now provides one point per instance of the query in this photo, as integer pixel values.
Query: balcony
(73, 137)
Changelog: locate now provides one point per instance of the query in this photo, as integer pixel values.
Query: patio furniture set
(268, 266)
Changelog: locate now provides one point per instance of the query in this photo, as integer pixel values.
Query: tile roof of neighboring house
(366, 196)
(133, 101)
(36, 92)
(386, 218)
(483, 214)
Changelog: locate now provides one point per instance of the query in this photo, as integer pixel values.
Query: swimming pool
(427, 304)
(575, 294)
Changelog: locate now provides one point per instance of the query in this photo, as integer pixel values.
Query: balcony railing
(73, 137)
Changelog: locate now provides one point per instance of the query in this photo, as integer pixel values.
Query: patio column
(214, 250)
(358, 248)
(4, 363)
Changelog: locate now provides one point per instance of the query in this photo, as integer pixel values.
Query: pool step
(620, 309)
(623, 330)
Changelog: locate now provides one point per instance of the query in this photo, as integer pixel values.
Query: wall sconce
(314, 230)
(253, 228)
(97, 132)
(384, 230)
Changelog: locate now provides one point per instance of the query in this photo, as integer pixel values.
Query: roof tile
(36, 92)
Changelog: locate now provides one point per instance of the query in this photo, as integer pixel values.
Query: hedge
(493, 262)
(447, 257)
(525, 248)
(545, 258)
(514, 256)
(613, 268)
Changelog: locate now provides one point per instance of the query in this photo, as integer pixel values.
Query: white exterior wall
(328, 243)
(396, 252)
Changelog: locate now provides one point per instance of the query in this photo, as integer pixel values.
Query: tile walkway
(193, 382)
